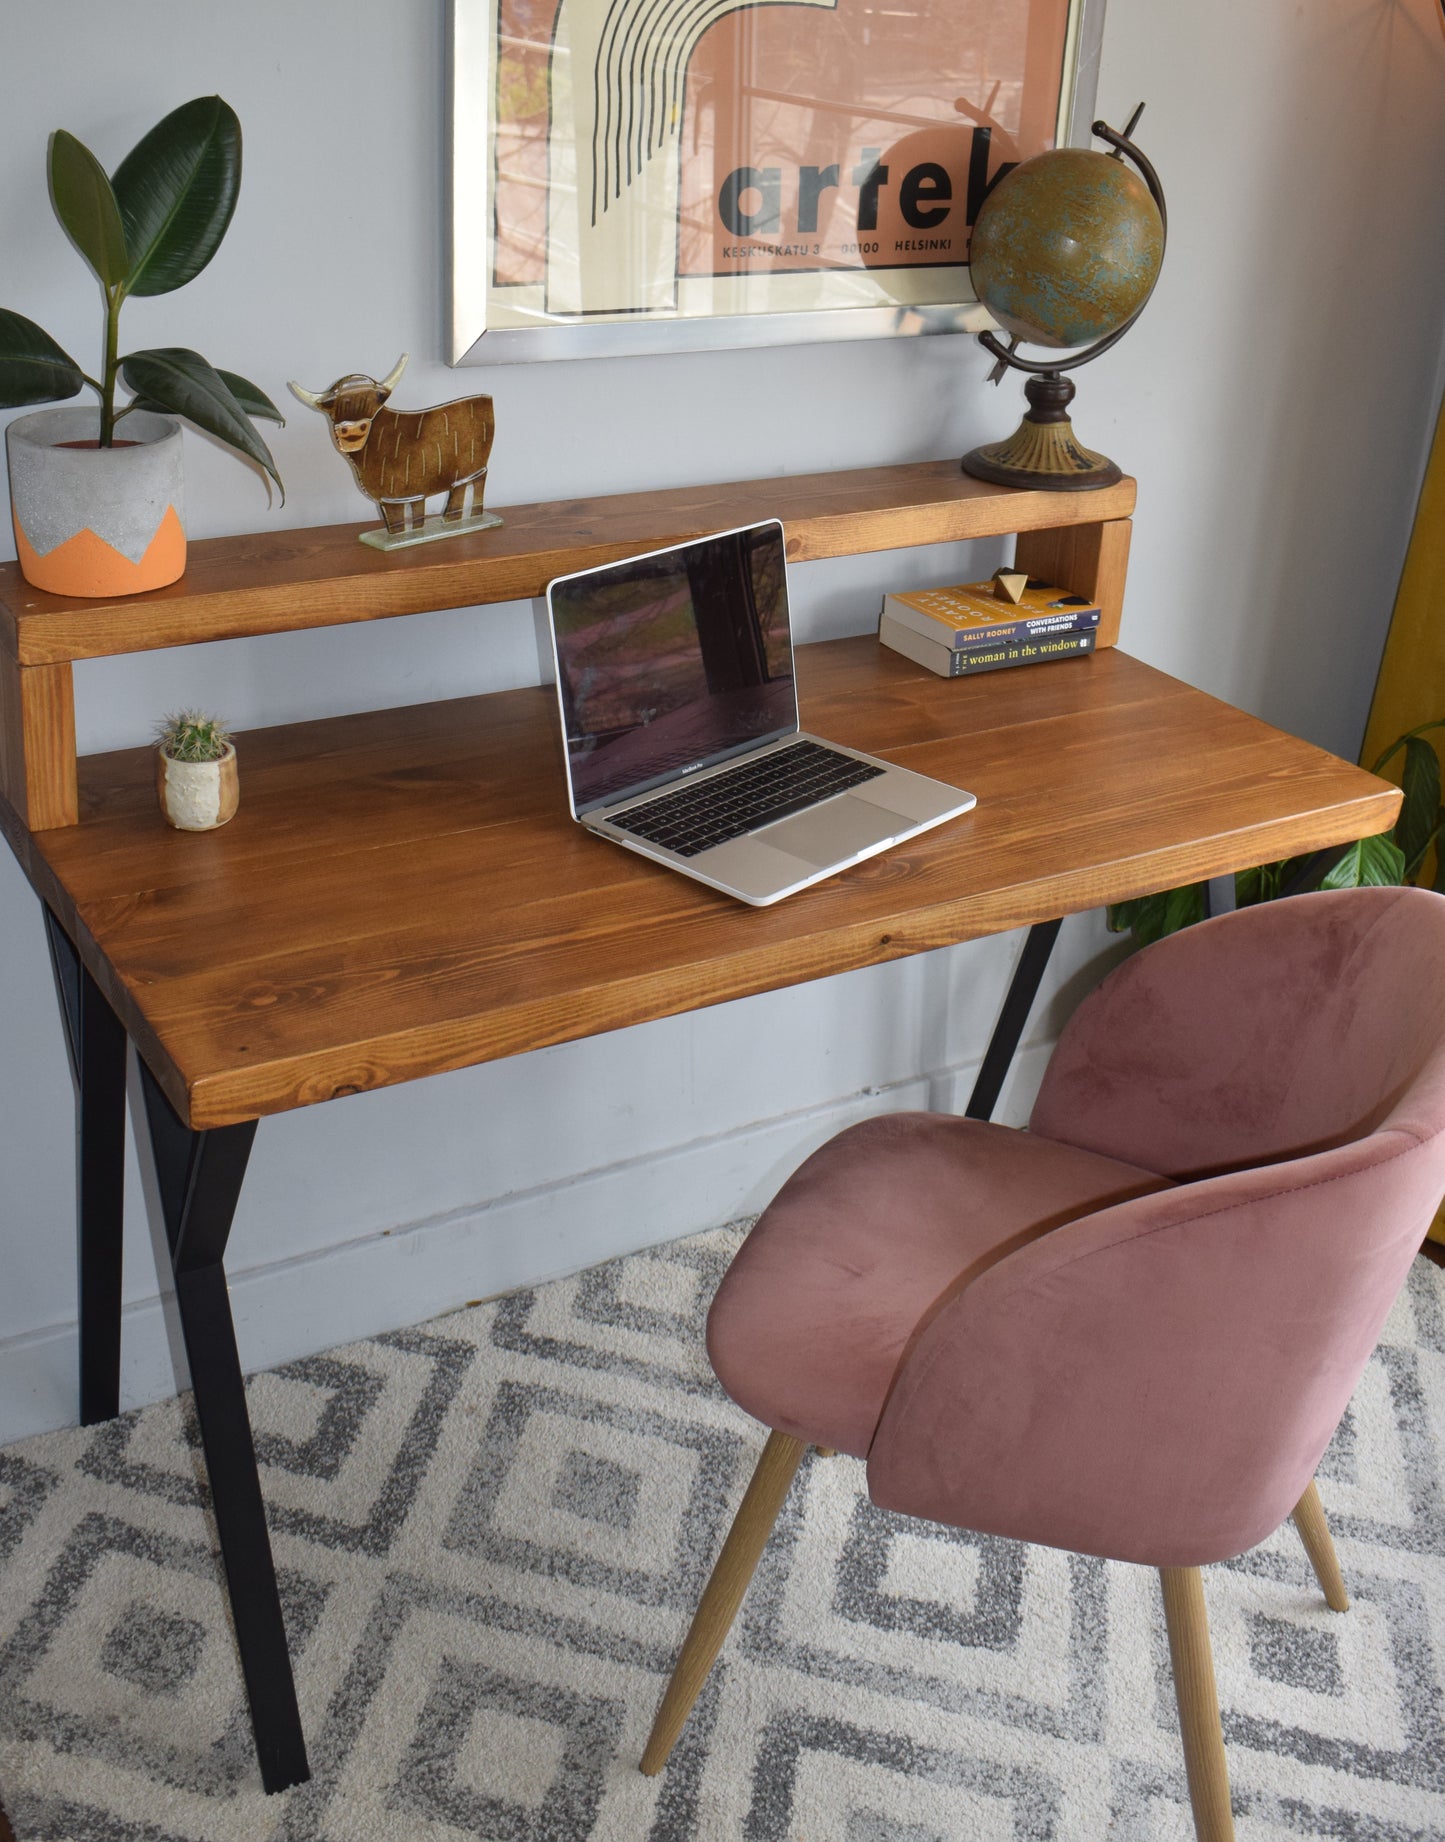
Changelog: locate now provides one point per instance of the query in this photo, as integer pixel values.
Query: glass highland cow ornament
(402, 458)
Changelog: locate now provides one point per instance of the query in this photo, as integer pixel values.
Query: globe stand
(1042, 452)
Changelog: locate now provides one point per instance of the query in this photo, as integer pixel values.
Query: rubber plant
(149, 228)
(1400, 855)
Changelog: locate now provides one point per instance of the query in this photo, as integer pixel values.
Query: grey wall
(1274, 404)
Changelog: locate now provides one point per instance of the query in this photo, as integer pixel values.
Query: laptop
(680, 725)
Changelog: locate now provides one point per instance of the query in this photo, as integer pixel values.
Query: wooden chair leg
(1314, 1532)
(723, 1594)
(1198, 1699)
(826, 1451)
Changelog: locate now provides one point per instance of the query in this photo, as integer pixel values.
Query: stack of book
(968, 628)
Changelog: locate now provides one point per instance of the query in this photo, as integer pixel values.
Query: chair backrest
(1157, 1381)
(1262, 1035)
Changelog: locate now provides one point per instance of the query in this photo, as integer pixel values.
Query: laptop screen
(672, 661)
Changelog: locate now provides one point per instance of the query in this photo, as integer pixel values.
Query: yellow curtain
(1411, 687)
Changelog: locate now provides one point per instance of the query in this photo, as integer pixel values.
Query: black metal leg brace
(96, 1044)
(200, 1176)
(1018, 1002)
(1314, 868)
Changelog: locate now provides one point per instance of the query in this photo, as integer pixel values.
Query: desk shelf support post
(199, 1175)
(37, 741)
(96, 1044)
(1090, 559)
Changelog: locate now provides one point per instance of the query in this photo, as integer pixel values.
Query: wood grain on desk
(403, 893)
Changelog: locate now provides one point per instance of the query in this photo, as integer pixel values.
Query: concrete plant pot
(97, 522)
(198, 795)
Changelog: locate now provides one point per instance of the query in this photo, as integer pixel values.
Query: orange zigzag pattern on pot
(87, 565)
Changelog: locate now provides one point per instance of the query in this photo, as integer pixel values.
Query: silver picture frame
(473, 342)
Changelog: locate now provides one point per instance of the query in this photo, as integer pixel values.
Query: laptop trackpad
(834, 832)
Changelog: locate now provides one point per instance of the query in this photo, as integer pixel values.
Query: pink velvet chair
(1131, 1330)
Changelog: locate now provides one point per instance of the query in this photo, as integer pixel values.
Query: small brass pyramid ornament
(1009, 585)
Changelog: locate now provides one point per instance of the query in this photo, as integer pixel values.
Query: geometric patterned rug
(491, 1532)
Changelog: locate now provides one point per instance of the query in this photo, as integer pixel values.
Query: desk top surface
(404, 892)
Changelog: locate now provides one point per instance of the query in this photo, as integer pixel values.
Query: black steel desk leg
(200, 1174)
(96, 1044)
(1019, 1001)
(1219, 896)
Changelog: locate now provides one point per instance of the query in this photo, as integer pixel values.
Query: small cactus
(190, 736)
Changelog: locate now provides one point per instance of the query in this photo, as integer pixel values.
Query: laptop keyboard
(745, 798)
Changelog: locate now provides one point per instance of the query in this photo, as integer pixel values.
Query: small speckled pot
(198, 795)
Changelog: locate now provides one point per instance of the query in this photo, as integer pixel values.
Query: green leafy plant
(1399, 855)
(191, 736)
(149, 228)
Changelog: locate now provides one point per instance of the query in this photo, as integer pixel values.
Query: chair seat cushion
(864, 1242)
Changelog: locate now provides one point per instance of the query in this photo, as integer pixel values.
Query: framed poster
(642, 175)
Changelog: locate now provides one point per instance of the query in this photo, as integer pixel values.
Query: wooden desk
(403, 893)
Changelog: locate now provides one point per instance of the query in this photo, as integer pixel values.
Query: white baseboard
(404, 1275)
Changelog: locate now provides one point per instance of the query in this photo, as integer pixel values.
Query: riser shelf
(284, 581)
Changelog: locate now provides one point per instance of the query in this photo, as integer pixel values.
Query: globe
(1066, 248)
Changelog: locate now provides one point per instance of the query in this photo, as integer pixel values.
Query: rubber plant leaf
(177, 190)
(182, 383)
(86, 206)
(250, 396)
(1439, 883)
(1415, 827)
(33, 369)
(1369, 863)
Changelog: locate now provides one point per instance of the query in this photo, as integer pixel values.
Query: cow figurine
(403, 457)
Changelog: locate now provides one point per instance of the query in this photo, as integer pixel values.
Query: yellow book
(971, 614)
